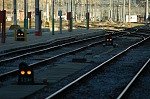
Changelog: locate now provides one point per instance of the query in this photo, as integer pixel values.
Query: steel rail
(132, 81)
(41, 45)
(37, 64)
(32, 47)
(50, 48)
(86, 74)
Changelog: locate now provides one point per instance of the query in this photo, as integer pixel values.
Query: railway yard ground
(78, 64)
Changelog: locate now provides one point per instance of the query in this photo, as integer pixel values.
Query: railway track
(19, 51)
(109, 78)
(8, 61)
(133, 88)
(71, 54)
(39, 56)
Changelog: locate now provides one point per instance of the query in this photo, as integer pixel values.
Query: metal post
(37, 19)
(67, 6)
(110, 8)
(25, 15)
(71, 23)
(3, 34)
(3, 4)
(117, 12)
(124, 8)
(129, 7)
(46, 11)
(87, 16)
(60, 14)
(60, 24)
(53, 17)
(15, 16)
(75, 17)
(113, 11)
(15, 12)
(146, 15)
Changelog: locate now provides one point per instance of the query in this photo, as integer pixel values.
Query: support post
(129, 8)
(37, 19)
(124, 8)
(87, 16)
(53, 17)
(60, 24)
(3, 21)
(29, 16)
(71, 21)
(15, 17)
(25, 15)
(146, 10)
(110, 8)
(15, 12)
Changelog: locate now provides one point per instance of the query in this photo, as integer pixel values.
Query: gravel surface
(141, 87)
(100, 54)
(108, 82)
(13, 64)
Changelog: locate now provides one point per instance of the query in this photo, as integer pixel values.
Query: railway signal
(20, 35)
(25, 74)
(109, 40)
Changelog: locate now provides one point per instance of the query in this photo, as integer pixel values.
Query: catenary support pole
(25, 15)
(71, 21)
(15, 11)
(37, 19)
(110, 10)
(129, 9)
(15, 16)
(87, 16)
(53, 17)
(146, 15)
(124, 11)
(3, 4)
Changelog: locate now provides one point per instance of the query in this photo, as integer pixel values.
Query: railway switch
(25, 74)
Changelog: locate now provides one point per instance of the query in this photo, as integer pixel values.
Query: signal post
(3, 22)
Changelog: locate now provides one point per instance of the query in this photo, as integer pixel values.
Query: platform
(46, 37)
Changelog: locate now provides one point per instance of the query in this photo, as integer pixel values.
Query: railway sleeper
(79, 60)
